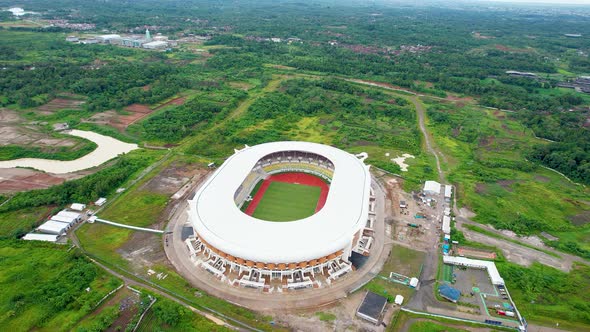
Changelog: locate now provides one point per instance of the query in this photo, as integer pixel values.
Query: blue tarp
(449, 293)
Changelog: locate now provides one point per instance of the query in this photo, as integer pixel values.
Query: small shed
(100, 201)
(449, 293)
(399, 299)
(78, 207)
(414, 282)
(372, 307)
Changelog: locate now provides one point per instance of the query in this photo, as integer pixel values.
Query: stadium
(283, 216)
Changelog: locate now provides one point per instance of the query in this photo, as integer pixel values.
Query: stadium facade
(275, 256)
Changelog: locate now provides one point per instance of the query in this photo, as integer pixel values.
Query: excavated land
(121, 121)
(59, 104)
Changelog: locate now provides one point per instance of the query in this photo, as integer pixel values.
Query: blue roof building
(449, 293)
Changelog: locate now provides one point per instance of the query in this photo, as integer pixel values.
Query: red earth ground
(295, 178)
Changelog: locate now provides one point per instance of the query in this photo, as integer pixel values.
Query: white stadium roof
(218, 220)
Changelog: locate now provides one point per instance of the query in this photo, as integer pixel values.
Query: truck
(509, 313)
(501, 313)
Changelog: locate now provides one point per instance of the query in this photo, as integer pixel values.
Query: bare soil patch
(486, 141)
(580, 219)
(478, 35)
(541, 178)
(172, 178)
(476, 253)
(506, 184)
(481, 188)
(143, 250)
(362, 143)
(128, 303)
(176, 101)
(60, 104)
(13, 131)
(457, 98)
(7, 116)
(118, 121)
(14, 180)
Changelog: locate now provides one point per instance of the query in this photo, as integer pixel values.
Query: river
(108, 148)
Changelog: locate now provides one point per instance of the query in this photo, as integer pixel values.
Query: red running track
(296, 178)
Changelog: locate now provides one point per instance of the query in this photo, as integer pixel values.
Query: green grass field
(287, 202)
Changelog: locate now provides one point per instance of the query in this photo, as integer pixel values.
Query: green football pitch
(287, 202)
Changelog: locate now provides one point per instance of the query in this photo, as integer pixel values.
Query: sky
(576, 2)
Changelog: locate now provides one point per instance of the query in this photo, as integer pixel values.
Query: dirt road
(514, 252)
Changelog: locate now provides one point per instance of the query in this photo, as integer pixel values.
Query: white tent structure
(446, 225)
(69, 214)
(478, 264)
(414, 282)
(448, 192)
(399, 299)
(53, 227)
(67, 220)
(40, 237)
(431, 188)
(100, 201)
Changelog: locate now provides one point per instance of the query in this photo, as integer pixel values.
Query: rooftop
(218, 220)
(372, 306)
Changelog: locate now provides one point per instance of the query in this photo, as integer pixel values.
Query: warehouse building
(431, 188)
(449, 293)
(40, 237)
(53, 227)
(156, 45)
(372, 307)
(477, 264)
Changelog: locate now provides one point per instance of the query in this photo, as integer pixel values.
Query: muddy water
(108, 148)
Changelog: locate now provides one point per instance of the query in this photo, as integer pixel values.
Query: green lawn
(287, 202)
(427, 326)
(21, 221)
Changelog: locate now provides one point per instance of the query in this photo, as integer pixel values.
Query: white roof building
(399, 299)
(64, 219)
(40, 237)
(106, 38)
(447, 211)
(446, 225)
(53, 227)
(100, 201)
(69, 214)
(431, 188)
(414, 282)
(155, 45)
(478, 264)
(448, 191)
(78, 207)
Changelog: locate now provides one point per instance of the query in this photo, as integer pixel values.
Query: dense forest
(425, 48)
